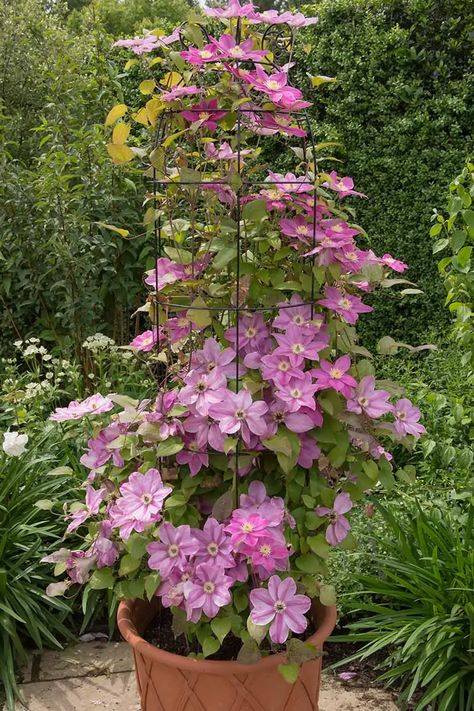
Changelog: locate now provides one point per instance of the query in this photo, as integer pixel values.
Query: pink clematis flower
(393, 263)
(172, 552)
(94, 498)
(105, 551)
(179, 327)
(407, 418)
(268, 125)
(339, 526)
(233, 9)
(178, 92)
(279, 368)
(168, 273)
(224, 152)
(297, 393)
(215, 545)
(194, 454)
(300, 228)
(238, 413)
(275, 86)
(256, 501)
(139, 45)
(202, 390)
(140, 502)
(212, 357)
(229, 49)
(296, 313)
(270, 554)
(297, 19)
(246, 528)
(366, 399)
(342, 186)
(298, 343)
(205, 113)
(148, 340)
(253, 334)
(334, 376)
(93, 405)
(281, 606)
(347, 306)
(207, 592)
(101, 450)
(199, 57)
(309, 451)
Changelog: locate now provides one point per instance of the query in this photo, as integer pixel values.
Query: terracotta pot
(170, 682)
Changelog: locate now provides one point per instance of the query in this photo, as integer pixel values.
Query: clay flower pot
(170, 682)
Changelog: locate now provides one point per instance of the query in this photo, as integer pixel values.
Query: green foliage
(31, 526)
(455, 233)
(401, 107)
(422, 609)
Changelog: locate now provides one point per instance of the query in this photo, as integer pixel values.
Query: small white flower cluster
(99, 342)
(30, 348)
(33, 390)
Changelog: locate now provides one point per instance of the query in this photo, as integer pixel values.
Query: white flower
(14, 444)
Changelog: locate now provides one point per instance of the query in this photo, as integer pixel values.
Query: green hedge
(402, 108)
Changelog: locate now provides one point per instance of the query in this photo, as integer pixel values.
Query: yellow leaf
(153, 108)
(120, 133)
(201, 317)
(115, 113)
(118, 230)
(171, 79)
(159, 32)
(154, 61)
(147, 86)
(141, 116)
(317, 81)
(131, 63)
(307, 48)
(120, 154)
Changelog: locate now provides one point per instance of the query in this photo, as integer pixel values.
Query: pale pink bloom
(271, 508)
(79, 565)
(224, 152)
(342, 186)
(297, 19)
(100, 451)
(281, 606)
(207, 592)
(279, 367)
(237, 412)
(275, 86)
(268, 555)
(347, 306)
(224, 193)
(139, 45)
(212, 357)
(281, 414)
(179, 327)
(178, 91)
(164, 414)
(309, 451)
(339, 526)
(202, 390)
(334, 376)
(268, 125)
(168, 273)
(300, 228)
(298, 393)
(194, 454)
(206, 113)
(93, 405)
(215, 545)
(140, 503)
(253, 334)
(229, 49)
(296, 313)
(94, 498)
(172, 552)
(147, 340)
(199, 57)
(374, 403)
(205, 430)
(298, 343)
(337, 227)
(233, 9)
(407, 418)
(351, 258)
(105, 550)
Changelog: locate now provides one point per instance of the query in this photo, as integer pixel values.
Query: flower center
(201, 386)
(250, 332)
(336, 228)
(298, 320)
(213, 549)
(302, 230)
(341, 185)
(203, 115)
(265, 550)
(247, 527)
(240, 414)
(283, 365)
(236, 52)
(296, 393)
(209, 587)
(335, 373)
(273, 84)
(205, 54)
(351, 256)
(173, 550)
(182, 322)
(344, 303)
(401, 415)
(363, 401)
(147, 499)
(211, 365)
(185, 577)
(297, 348)
(279, 606)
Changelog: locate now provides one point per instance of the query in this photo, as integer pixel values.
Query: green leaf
(102, 579)
(308, 563)
(254, 211)
(170, 446)
(319, 545)
(299, 652)
(151, 584)
(249, 653)
(289, 672)
(327, 595)
(199, 314)
(210, 646)
(221, 627)
(223, 506)
(136, 545)
(223, 257)
(128, 564)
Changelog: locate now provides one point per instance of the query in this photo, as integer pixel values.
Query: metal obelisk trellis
(281, 39)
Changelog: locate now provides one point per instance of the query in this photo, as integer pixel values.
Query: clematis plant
(223, 491)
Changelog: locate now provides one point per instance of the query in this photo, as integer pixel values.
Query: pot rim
(324, 616)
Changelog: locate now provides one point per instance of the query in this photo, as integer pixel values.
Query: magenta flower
(179, 327)
(299, 343)
(342, 186)
(298, 393)
(93, 405)
(140, 502)
(215, 545)
(199, 57)
(280, 368)
(339, 526)
(229, 49)
(94, 498)
(407, 418)
(347, 306)
(100, 451)
(298, 422)
(207, 592)
(299, 228)
(164, 414)
(233, 9)
(309, 451)
(373, 403)
(297, 19)
(275, 86)
(179, 91)
(147, 340)
(334, 375)
(393, 263)
(253, 333)
(205, 431)
(297, 314)
(281, 606)
(105, 551)
(139, 45)
(172, 553)
(194, 454)
(246, 528)
(202, 390)
(237, 412)
(268, 125)
(256, 501)
(211, 357)
(270, 554)
(205, 113)
(168, 273)
(224, 152)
